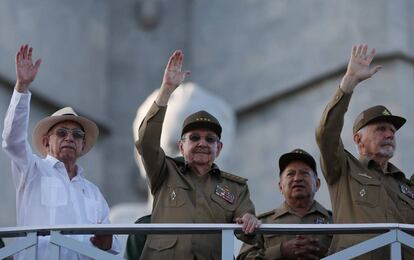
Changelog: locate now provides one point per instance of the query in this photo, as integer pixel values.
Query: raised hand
(359, 68)
(25, 69)
(173, 77)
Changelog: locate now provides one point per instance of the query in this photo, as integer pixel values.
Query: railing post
(31, 252)
(54, 248)
(227, 244)
(396, 251)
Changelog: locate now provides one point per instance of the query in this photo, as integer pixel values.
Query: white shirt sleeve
(15, 142)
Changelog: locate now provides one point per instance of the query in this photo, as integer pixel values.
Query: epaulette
(266, 214)
(233, 177)
(178, 160)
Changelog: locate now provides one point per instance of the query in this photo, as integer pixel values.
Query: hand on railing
(103, 242)
(250, 223)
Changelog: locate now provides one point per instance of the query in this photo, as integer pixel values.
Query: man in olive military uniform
(368, 189)
(190, 189)
(298, 183)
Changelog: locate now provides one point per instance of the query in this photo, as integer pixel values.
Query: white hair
(360, 132)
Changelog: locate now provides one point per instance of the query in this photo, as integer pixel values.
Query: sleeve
(148, 146)
(15, 142)
(104, 219)
(255, 251)
(328, 136)
(245, 203)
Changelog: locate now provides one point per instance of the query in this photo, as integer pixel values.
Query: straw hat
(64, 114)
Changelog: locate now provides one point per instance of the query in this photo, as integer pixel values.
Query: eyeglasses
(77, 133)
(209, 138)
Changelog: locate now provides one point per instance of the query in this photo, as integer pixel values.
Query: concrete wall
(276, 62)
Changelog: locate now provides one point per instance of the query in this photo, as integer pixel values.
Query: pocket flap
(162, 243)
(365, 179)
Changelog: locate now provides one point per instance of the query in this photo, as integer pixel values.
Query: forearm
(15, 142)
(148, 143)
(328, 134)
(164, 95)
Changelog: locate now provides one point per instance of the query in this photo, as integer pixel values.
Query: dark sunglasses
(76, 133)
(209, 138)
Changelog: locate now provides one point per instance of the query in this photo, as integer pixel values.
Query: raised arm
(148, 143)
(15, 142)
(26, 71)
(328, 132)
(358, 67)
(173, 77)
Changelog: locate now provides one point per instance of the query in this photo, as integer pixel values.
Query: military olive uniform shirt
(181, 196)
(360, 191)
(267, 246)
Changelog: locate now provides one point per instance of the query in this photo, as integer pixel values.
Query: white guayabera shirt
(44, 193)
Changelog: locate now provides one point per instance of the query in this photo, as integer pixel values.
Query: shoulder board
(233, 177)
(177, 160)
(265, 214)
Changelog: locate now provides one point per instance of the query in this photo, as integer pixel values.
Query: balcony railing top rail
(389, 234)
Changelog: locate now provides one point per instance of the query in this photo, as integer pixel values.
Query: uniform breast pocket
(223, 209)
(406, 208)
(92, 210)
(53, 192)
(365, 191)
(176, 196)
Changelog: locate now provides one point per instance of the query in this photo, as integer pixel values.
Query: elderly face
(298, 181)
(200, 147)
(65, 141)
(376, 140)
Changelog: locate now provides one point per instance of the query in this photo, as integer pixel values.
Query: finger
(354, 50)
(25, 51)
(180, 61)
(17, 57)
(176, 58)
(29, 56)
(359, 50)
(239, 220)
(37, 65)
(371, 55)
(364, 50)
(258, 223)
(375, 69)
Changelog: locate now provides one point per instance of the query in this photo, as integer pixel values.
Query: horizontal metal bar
(184, 228)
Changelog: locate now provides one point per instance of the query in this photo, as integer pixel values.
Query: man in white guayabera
(51, 189)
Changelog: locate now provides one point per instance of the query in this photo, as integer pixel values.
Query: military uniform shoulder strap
(233, 177)
(265, 214)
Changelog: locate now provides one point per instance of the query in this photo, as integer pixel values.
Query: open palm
(360, 61)
(173, 75)
(25, 69)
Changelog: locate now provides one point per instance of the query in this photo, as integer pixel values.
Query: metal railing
(389, 234)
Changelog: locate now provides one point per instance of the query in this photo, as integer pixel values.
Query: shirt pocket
(53, 192)
(365, 191)
(176, 195)
(406, 208)
(222, 209)
(92, 210)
